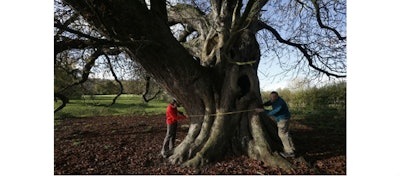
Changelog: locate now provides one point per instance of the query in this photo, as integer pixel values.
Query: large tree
(206, 54)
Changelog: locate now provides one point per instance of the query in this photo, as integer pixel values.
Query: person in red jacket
(172, 117)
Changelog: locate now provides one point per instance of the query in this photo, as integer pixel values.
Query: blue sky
(266, 78)
(271, 76)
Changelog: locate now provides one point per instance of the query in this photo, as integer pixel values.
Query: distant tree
(134, 86)
(300, 84)
(330, 98)
(336, 96)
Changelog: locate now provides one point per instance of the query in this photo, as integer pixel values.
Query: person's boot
(287, 155)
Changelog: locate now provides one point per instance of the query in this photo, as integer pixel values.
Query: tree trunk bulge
(235, 88)
(223, 79)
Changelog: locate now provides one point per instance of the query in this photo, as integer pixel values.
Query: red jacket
(172, 115)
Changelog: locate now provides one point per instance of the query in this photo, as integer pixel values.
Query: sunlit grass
(125, 105)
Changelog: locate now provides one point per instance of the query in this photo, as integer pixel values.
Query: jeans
(283, 132)
(169, 140)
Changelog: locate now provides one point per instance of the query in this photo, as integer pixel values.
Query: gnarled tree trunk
(231, 88)
(215, 75)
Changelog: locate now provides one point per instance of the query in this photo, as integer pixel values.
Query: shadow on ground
(132, 144)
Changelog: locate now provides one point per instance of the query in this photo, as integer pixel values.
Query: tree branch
(114, 20)
(65, 28)
(318, 14)
(159, 7)
(67, 43)
(186, 32)
(251, 11)
(301, 47)
(147, 89)
(66, 23)
(133, 20)
(86, 70)
(190, 15)
(64, 100)
(121, 88)
(216, 7)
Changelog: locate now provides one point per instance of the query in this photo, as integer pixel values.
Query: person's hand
(271, 117)
(259, 110)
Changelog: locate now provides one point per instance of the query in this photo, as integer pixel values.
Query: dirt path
(131, 145)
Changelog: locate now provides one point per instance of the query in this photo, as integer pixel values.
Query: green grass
(129, 104)
(125, 105)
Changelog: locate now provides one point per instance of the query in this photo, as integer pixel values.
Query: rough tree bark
(213, 73)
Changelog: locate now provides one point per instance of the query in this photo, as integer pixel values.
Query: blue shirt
(279, 109)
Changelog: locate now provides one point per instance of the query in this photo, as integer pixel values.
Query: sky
(270, 82)
(267, 82)
(26, 106)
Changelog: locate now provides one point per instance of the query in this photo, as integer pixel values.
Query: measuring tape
(225, 113)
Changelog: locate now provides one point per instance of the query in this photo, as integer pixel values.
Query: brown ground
(131, 145)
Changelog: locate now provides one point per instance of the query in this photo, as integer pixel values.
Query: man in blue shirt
(281, 114)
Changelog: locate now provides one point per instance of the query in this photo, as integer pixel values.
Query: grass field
(125, 105)
(128, 104)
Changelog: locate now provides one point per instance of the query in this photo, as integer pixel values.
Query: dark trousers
(169, 140)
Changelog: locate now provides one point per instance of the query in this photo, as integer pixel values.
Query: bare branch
(66, 23)
(189, 15)
(318, 13)
(147, 89)
(307, 53)
(121, 88)
(64, 43)
(65, 28)
(250, 13)
(64, 100)
(67, 44)
(86, 70)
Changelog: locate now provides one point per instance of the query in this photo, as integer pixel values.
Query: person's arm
(274, 111)
(268, 112)
(180, 115)
(268, 103)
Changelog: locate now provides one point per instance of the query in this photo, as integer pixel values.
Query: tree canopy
(307, 36)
